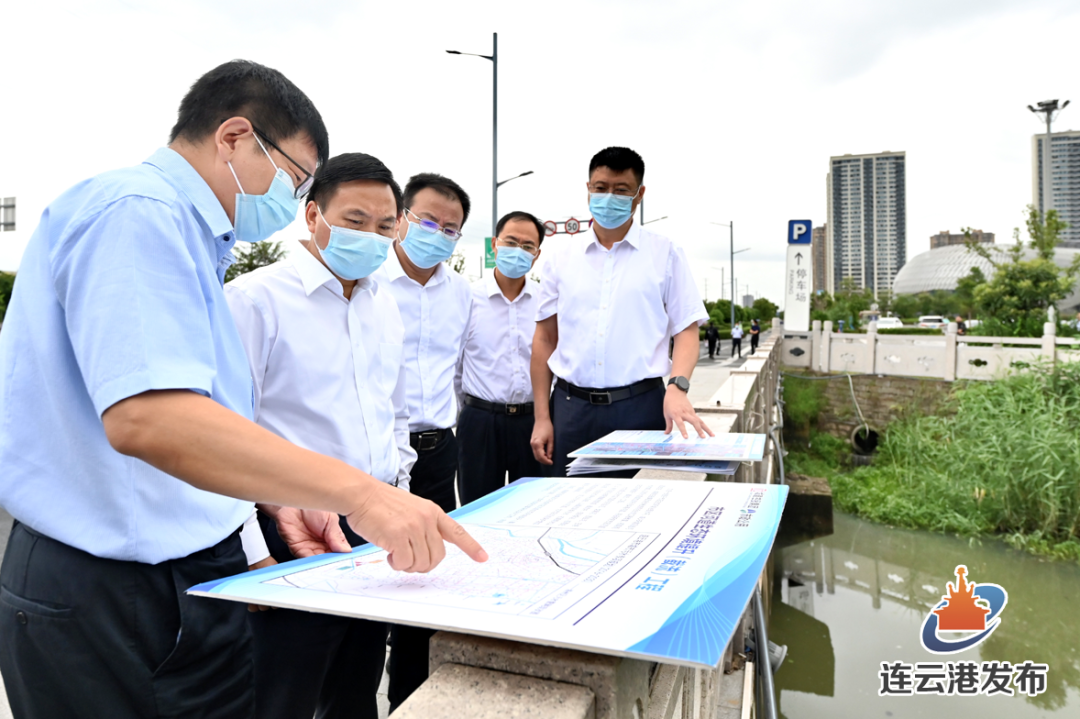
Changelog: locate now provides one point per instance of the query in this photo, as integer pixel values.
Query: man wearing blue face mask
(434, 302)
(324, 342)
(610, 300)
(130, 458)
(496, 419)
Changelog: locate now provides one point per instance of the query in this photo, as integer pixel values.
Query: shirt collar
(188, 181)
(632, 238)
(314, 274)
(492, 287)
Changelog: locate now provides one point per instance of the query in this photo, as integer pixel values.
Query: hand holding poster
(653, 569)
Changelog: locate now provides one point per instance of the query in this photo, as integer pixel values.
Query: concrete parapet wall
(882, 400)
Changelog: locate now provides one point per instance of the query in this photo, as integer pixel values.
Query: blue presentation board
(652, 569)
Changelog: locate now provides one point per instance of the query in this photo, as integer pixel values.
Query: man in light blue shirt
(125, 408)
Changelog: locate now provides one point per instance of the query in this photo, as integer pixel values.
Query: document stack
(652, 449)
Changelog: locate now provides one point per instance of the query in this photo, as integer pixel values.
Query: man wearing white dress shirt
(434, 302)
(496, 421)
(610, 299)
(324, 342)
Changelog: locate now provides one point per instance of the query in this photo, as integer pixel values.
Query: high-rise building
(944, 238)
(817, 251)
(1064, 193)
(866, 220)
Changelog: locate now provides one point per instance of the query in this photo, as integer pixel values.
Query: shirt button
(20, 617)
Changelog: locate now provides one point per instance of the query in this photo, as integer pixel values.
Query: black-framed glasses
(305, 184)
(431, 226)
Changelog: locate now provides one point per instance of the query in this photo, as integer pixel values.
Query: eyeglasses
(431, 226)
(305, 184)
(528, 246)
(602, 189)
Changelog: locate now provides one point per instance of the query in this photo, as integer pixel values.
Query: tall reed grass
(1007, 462)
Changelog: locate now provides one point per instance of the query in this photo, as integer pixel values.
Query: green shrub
(804, 400)
(1007, 462)
(909, 331)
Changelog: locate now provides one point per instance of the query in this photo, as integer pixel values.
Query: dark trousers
(432, 478)
(753, 343)
(492, 445)
(82, 636)
(578, 422)
(712, 348)
(309, 664)
(736, 346)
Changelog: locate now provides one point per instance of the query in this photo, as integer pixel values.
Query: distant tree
(905, 306)
(7, 284)
(457, 262)
(1014, 302)
(848, 302)
(254, 256)
(965, 290)
(763, 309)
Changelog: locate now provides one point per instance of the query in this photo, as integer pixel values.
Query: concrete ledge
(618, 684)
(459, 691)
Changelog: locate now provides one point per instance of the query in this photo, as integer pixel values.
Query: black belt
(612, 395)
(428, 439)
(497, 408)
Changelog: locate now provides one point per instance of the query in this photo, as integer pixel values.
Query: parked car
(933, 322)
(888, 323)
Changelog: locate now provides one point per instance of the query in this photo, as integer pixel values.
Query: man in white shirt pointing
(610, 299)
(496, 421)
(324, 342)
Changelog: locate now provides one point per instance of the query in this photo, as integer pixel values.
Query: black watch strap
(680, 382)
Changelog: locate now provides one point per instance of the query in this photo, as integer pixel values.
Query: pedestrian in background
(755, 335)
(711, 336)
(736, 339)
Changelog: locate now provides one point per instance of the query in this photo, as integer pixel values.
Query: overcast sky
(736, 107)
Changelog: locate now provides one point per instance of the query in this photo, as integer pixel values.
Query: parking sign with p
(799, 232)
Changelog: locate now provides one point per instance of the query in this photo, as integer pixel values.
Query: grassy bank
(1006, 463)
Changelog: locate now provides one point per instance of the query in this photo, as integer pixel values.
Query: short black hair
(241, 88)
(519, 215)
(619, 159)
(350, 167)
(443, 185)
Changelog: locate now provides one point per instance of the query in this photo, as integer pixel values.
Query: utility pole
(494, 57)
(1049, 109)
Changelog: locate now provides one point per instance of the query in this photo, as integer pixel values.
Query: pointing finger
(454, 533)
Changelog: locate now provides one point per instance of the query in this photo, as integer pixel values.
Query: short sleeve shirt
(617, 308)
(119, 292)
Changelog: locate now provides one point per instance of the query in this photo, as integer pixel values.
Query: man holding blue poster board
(610, 300)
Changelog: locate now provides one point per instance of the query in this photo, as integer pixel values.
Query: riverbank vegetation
(1005, 462)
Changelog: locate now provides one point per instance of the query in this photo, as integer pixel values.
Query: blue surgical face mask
(611, 211)
(353, 254)
(513, 262)
(259, 216)
(426, 249)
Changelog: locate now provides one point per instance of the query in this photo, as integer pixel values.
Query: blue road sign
(798, 232)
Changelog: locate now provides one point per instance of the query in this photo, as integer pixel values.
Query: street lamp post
(494, 57)
(731, 227)
(1050, 109)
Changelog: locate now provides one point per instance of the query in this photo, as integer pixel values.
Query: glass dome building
(942, 268)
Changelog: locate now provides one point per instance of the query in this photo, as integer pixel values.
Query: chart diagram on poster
(654, 569)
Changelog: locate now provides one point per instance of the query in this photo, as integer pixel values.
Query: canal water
(845, 603)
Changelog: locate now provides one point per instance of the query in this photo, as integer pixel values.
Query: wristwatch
(680, 382)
